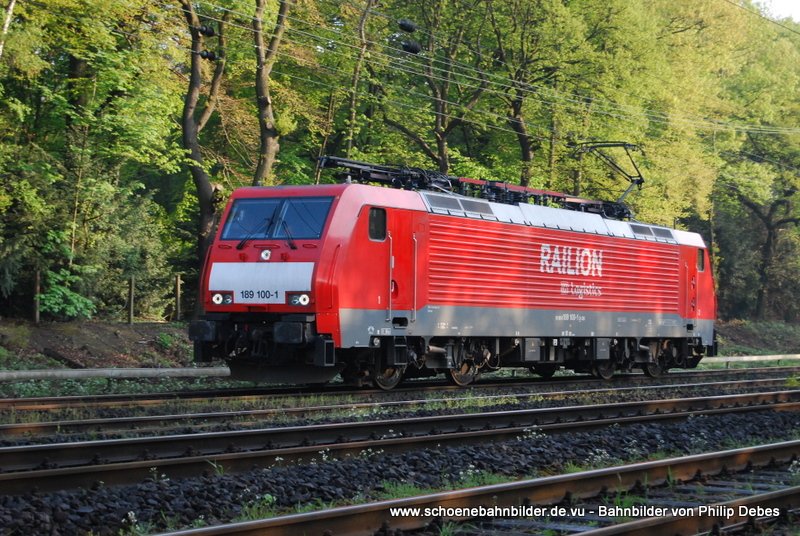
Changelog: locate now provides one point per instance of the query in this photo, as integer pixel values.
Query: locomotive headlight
(266, 254)
(300, 299)
(227, 299)
(217, 299)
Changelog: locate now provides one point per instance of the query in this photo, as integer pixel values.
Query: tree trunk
(265, 57)
(772, 222)
(190, 138)
(551, 153)
(6, 25)
(75, 139)
(442, 154)
(577, 176)
(762, 294)
(328, 128)
(362, 51)
(526, 146)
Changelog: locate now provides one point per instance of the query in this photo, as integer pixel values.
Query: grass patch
(261, 507)
(399, 490)
(15, 336)
(748, 337)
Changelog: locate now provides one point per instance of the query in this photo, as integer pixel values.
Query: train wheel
(387, 378)
(462, 376)
(657, 366)
(545, 371)
(604, 369)
(654, 370)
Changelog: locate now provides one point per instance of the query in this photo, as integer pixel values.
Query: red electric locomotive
(445, 275)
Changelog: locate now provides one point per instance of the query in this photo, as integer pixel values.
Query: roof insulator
(412, 47)
(208, 31)
(407, 25)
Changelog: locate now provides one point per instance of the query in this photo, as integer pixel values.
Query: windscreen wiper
(265, 226)
(289, 239)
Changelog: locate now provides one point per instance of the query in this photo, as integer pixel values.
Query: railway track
(69, 465)
(688, 495)
(156, 423)
(277, 395)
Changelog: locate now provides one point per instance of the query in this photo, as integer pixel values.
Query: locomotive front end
(258, 287)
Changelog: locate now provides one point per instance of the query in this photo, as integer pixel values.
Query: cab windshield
(275, 217)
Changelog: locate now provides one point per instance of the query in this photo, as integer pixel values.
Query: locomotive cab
(258, 287)
(299, 277)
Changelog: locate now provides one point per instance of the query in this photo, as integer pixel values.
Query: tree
(6, 23)
(77, 79)
(771, 197)
(265, 57)
(535, 42)
(195, 117)
(453, 36)
(362, 51)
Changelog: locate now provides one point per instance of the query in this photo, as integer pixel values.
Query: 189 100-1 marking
(260, 294)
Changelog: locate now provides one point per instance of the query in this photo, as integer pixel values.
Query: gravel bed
(160, 503)
(391, 412)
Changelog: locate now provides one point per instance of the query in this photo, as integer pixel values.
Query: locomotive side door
(402, 259)
(694, 262)
(701, 276)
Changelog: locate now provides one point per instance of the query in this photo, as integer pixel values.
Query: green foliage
(260, 507)
(94, 188)
(470, 477)
(164, 341)
(747, 337)
(399, 490)
(60, 300)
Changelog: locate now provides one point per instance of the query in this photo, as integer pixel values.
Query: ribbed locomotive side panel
(489, 264)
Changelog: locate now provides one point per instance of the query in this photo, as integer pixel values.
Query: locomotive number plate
(261, 295)
(260, 282)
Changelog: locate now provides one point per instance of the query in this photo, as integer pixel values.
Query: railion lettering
(568, 260)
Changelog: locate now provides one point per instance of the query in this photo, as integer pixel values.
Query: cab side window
(377, 224)
(701, 260)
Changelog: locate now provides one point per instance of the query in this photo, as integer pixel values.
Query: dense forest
(124, 125)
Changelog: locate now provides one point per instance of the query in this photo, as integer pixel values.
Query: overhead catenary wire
(613, 109)
(624, 117)
(579, 96)
(332, 70)
(758, 14)
(410, 71)
(409, 106)
(525, 87)
(760, 159)
(484, 76)
(616, 111)
(176, 46)
(532, 87)
(326, 39)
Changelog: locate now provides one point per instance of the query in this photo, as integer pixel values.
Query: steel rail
(369, 518)
(696, 523)
(29, 429)
(257, 394)
(21, 458)
(112, 400)
(221, 372)
(126, 461)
